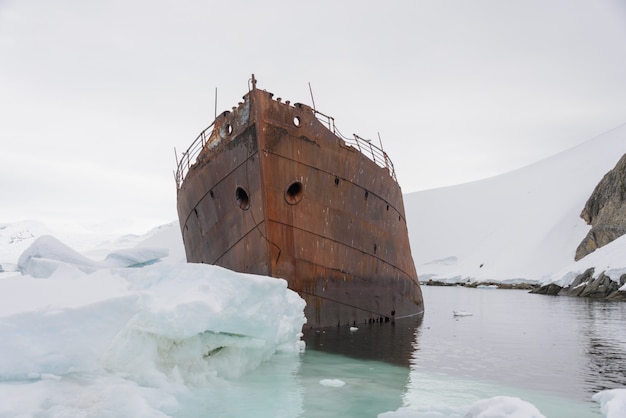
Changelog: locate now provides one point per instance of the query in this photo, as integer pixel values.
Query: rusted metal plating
(270, 189)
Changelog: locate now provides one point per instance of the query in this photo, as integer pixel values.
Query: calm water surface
(555, 352)
(564, 345)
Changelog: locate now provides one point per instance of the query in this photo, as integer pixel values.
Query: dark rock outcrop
(605, 211)
(548, 289)
(585, 285)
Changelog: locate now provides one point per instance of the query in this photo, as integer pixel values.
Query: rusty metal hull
(274, 191)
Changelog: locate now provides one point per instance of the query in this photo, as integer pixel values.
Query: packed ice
(132, 325)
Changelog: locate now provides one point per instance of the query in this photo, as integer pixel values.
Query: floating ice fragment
(503, 407)
(332, 383)
(612, 402)
(461, 313)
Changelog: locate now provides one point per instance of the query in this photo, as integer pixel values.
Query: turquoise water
(554, 352)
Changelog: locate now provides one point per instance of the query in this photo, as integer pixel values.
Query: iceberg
(48, 253)
(68, 318)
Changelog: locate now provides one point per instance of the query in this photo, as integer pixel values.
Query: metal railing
(374, 153)
(189, 157)
(364, 146)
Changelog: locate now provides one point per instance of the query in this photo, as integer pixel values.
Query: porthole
(296, 121)
(294, 192)
(228, 129)
(243, 200)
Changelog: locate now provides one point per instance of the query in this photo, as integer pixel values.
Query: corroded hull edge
(273, 191)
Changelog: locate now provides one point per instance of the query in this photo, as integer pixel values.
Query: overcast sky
(95, 96)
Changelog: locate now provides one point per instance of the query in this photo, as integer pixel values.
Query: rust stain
(319, 210)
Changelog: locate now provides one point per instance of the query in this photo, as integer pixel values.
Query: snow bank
(156, 325)
(608, 260)
(613, 405)
(94, 396)
(612, 402)
(496, 407)
(503, 407)
(60, 325)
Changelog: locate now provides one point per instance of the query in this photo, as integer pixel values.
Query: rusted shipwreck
(271, 188)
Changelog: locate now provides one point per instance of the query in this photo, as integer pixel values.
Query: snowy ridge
(520, 226)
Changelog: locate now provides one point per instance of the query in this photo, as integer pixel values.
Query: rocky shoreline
(584, 285)
(499, 285)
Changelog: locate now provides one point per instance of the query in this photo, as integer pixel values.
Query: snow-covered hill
(524, 225)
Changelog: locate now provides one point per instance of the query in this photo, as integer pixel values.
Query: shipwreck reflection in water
(565, 346)
(391, 342)
(372, 362)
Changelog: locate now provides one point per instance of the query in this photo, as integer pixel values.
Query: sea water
(553, 352)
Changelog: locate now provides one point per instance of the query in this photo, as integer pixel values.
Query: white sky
(94, 96)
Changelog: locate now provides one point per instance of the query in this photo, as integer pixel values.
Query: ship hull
(275, 192)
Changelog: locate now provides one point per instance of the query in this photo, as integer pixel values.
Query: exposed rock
(605, 211)
(577, 287)
(585, 285)
(619, 295)
(499, 285)
(600, 287)
(432, 282)
(549, 289)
